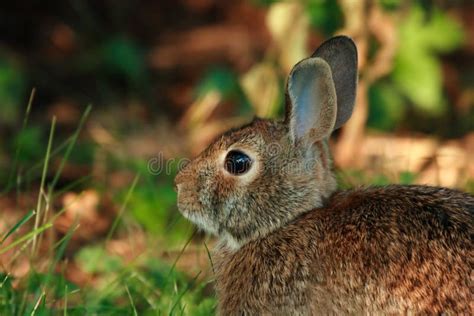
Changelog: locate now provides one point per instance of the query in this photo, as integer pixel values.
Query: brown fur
(396, 249)
(291, 244)
(248, 211)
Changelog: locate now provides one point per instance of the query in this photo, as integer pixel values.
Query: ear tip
(348, 42)
(311, 64)
(340, 43)
(343, 39)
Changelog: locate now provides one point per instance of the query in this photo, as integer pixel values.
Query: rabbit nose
(183, 173)
(176, 184)
(178, 180)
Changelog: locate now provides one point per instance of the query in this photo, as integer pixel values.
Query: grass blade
(22, 221)
(71, 186)
(61, 245)
(24, 238)
(122, 209)
(19, 145)
(65, 301)
(98, 257)
(38, 302)
(69, 148)
(178, 257)
(43, 180)
(131, 302)
(180, 296)
(210, 258)
(54, 152)
(4, 280)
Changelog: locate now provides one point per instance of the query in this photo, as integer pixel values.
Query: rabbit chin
(201, 222)
(225, 238)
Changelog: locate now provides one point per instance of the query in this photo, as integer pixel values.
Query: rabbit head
(257, 178)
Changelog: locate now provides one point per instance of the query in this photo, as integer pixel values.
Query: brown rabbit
(291, 244)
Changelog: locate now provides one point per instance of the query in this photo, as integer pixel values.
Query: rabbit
(290, 243)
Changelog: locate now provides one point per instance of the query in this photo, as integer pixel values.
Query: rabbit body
(291, 244)
(387, 250)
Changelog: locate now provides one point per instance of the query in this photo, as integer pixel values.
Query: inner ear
(312, 97)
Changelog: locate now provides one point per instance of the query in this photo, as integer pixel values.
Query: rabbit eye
(237, 163)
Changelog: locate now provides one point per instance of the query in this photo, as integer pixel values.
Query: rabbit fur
(290, 243)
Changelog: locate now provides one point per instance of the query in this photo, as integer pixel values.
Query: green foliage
(155, 287)
(219, 79)
(264, 2)
(226, 82)
(417, 75)
(9, 300)
(324, 15)
(57, 281)
(12, 89)
(407, 177)
(15, 227)
(380, 179)
(31, 141)
(389, 4)
(178, 292)
(147, 286)
(94, 259)
(351, 178)
(153, 205)
(470, 186)
(123, 57)
(386, 107)
(417, 72)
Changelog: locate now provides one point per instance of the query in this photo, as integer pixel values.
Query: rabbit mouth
(194, 211)
(200, 221)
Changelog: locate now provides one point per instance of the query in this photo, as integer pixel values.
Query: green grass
(145, 284)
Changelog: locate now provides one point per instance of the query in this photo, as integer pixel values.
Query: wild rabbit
(291, 244)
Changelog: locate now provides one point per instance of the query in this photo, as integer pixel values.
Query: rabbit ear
(340, 53)
(311, 111)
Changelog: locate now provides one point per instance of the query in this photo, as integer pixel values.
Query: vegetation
(99, 100)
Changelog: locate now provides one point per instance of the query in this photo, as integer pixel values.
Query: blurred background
(96, 95)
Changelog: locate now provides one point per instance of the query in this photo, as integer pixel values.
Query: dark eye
(237, 163)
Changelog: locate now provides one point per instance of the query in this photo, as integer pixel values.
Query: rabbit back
(394, 249)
